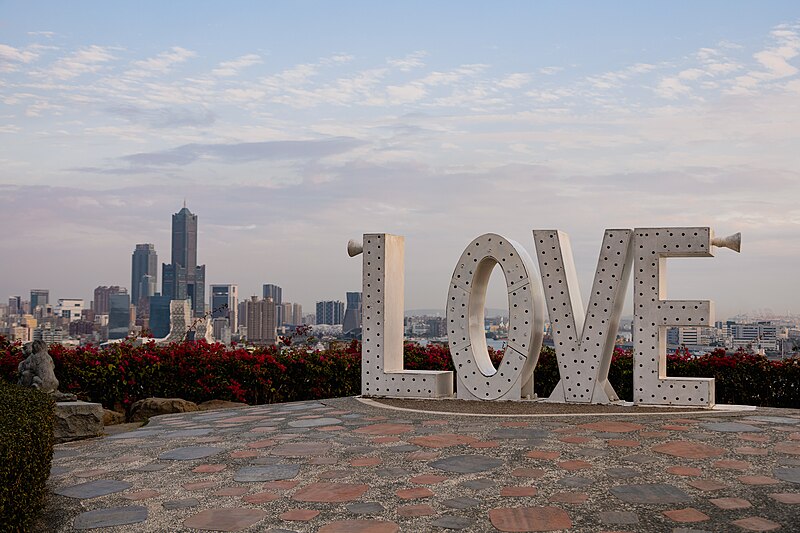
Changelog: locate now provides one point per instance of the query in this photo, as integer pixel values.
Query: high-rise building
(159, 316)
(144, 272)
(183, 279)
(261, 324)
(119, 316)
(102, 294)
(69, 308)
(297, 315)
(352, 315)
(224, 304)
(276, 293)
(330, 312)
(15, 305)
(39, 297)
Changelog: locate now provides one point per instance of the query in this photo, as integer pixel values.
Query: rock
(112, 418)
(150, 407)
(77, 420)
(210, 405)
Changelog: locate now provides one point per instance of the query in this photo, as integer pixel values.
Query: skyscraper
(183, 279)
(39, 297)
(352, 315)
(275, 292)
(261, 325)
(144, 272)
(119, 316)
(101, 297)
(224, 303)
(330, 312)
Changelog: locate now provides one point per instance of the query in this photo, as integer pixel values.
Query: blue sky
(290, 127)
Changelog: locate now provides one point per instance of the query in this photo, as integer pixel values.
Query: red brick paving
(546, 455)
(731, 503)
(750, 450)
(533, 473)
(415, 510)
(261, 443)
(427, 479)
(261, 497)
(572, 439)
(574, 464)
(360, 526)
(443, 440)
(517, 491)
(485, 444)
(612, 426)
(330, 492)
(228, 519)
(298, 515)
(422, 456)
(792, 498)
(756, 523)
(569, 497)
(689, 449)
(792, 448)
(758, 480)
(530, 519)
(653, 434)
(686, 515)
(385, 429)
(199, 485)
(706, 484)
(732, 464)
(414, 494)
(365, 461)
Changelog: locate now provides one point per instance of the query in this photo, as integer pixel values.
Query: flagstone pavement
(343, 466)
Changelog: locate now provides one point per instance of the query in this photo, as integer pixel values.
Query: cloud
(11, 57)
(773, 60)
(409, 62)
(167, 117)
(233, 67)
(87, 60)
(160, 64)
(613, 79)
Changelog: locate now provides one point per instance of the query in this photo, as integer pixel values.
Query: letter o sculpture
(477, 377)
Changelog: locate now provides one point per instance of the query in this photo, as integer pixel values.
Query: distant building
(352, 314)
(15, 305)
(261, 321)
(297, 315)
(330, 312)
(48, 334)
(39, 297)
(69, 308)
(276, 293)
(225, 304)
(159, 316)
(144, 272)
(119, 316)
(102, 295)
(183, 279)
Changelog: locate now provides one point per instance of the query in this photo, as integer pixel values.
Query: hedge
(120, 374)
(26, 450)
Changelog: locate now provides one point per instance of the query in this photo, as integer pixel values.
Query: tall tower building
(330, 312)
(225, 303)
(276, 293)
(352, 314)
(144, 272)
(261, 325)
(183, 279)
(39, 297)
(102, 294)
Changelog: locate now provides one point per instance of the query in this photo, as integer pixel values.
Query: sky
(290, 127)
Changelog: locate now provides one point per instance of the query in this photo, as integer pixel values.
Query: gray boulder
(150, 407)
(77, 420)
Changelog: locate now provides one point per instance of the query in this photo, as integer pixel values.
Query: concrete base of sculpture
(77, 420)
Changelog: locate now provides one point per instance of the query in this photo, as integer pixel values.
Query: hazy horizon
(291, 127)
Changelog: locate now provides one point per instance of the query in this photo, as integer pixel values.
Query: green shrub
(26, 449)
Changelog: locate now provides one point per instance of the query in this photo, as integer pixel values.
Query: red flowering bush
(119, 374)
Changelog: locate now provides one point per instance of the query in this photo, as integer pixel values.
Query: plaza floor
(343, 465)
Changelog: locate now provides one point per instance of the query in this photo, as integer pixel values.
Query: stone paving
(344, 466)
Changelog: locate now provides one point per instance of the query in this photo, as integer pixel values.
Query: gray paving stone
(256, 474)
(189, 453)
(689, 530)
(365, 508)
(792, 475)
(403, 448)
(93, 489)
(619, 517)
(62, 454)
(466, 464)
(575, 481)
(453, 522)
(180, 504)
(462, 502)
(58, 470)
(622, 472)
(731, 427)
(654, 493)
(112, 516)
(186, 433)
(774, 419)
(137, 434)
(266, 460)
(478, 484)
(152, 467)
(392, 471)
(518, 433)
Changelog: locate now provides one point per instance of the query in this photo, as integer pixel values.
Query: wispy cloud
(159, 64)
(235, 66)
(11, 58)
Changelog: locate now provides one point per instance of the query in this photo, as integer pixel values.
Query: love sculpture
(583, 337)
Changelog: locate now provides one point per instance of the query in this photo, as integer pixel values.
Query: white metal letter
(584, 344)
(477, 377)
(653, 314)
(382, 371)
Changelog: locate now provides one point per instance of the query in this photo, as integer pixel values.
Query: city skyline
(508, 118)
